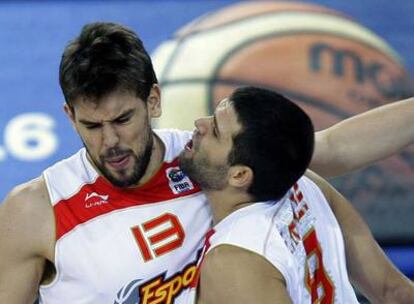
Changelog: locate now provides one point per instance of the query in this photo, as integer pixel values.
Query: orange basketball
(328, 63)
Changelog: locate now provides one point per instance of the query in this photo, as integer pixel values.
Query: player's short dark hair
(276, 141)
(105, 57)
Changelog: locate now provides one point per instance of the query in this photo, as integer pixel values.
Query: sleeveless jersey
(300, 236)
(137, 245)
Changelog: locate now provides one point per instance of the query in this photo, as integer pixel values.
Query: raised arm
(368, 267)
(364, 139)
(232, 275)
(24, 242)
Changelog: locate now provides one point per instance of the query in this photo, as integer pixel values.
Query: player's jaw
(118, 164)
(198, 166)
(118, 159)
(123, 167)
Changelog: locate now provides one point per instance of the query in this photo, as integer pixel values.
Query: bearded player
(278, 236)
(118, 221)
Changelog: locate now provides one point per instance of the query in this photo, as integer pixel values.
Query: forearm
(399, 291)
(369, 269)
(364, 139)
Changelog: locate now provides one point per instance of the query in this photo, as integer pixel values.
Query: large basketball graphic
(331, 65)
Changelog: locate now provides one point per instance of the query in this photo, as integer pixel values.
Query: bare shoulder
(27, 238)
(231, 274)
(29, 200)
(27, 214)
(326, 188)
(318, 180)
(233, 258)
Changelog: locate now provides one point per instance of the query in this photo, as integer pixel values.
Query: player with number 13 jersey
(111, 242)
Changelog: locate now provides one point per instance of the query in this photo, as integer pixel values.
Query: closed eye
(122, 120)
(92, 126)
(214, 131)
(125, 118)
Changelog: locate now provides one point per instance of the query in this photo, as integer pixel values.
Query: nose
(201, 125)
(110, 137)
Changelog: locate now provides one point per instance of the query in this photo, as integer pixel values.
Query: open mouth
(119, 162)
(189, 146)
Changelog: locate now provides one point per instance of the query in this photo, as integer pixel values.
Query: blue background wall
(34, 132)
(33, 35)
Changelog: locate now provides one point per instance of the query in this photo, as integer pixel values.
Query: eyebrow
(126, 114)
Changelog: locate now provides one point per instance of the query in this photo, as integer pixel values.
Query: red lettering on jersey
(293, 231)
(317, 281)
(302, 211)
(173, 234)
(142, 244)
(297, 195)
(297, 198)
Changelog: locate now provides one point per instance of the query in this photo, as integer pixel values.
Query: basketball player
(118, 222)
(279, 237)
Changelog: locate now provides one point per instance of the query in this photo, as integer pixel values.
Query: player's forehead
(108, 107)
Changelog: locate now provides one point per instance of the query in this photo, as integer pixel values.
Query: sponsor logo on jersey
(158, 290)
(94, 199)
(128, 294)
(178, 181)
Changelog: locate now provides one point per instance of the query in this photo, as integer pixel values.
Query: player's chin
(124, 180)
(120, 174)
(188, 157)
(183, 154)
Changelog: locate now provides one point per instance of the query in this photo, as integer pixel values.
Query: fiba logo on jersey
(326, 62)
(178, 181)
(176, 175)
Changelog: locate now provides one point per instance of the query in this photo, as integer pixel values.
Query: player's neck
(225, 202)
(156, 160)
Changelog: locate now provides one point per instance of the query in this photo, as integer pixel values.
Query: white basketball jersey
(126, 246)
(300, 236)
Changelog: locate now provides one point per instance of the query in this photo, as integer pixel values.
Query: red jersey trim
(206, 247)
(101, 197)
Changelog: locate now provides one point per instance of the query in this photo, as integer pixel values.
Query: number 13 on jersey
(159, 236)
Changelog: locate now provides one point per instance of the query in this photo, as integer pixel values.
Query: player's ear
(240, 176)
(70, 113)
(154, 102)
